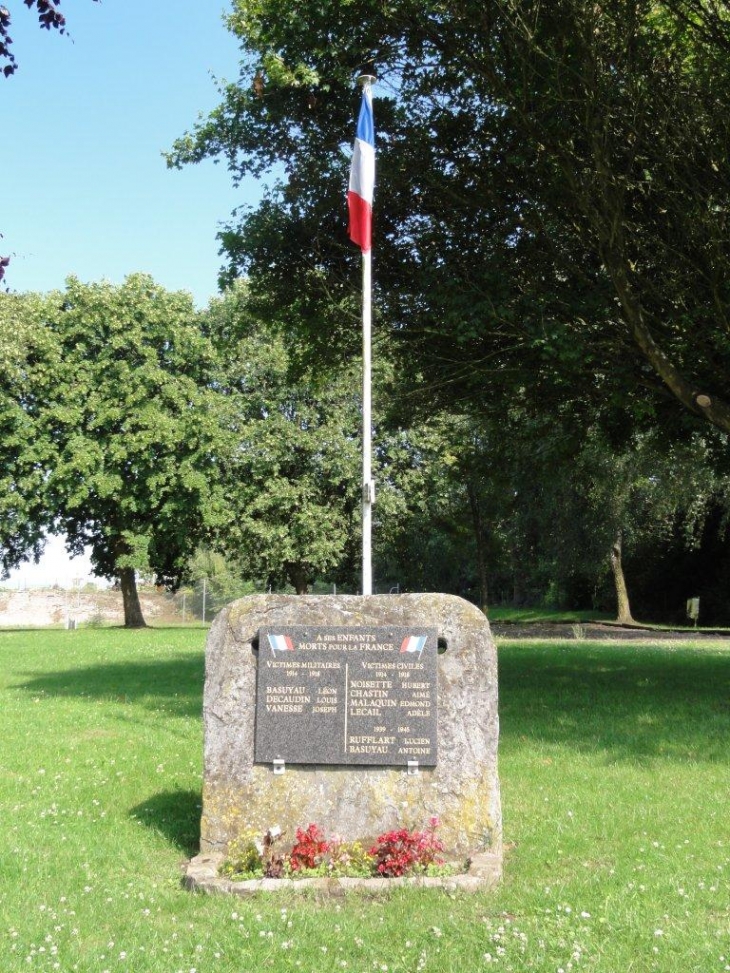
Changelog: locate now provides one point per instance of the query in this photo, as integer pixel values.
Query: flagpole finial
(366, 79)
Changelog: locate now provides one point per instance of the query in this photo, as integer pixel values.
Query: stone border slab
(201, 875)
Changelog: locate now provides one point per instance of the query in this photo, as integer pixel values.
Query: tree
(130, 411)
(447, 535)
(577, 509)
(650, 494)
(28, 355)
(292, 471)
(214, 581)
(536, 509)
(292, 461)
(553, 197)
(49, 17)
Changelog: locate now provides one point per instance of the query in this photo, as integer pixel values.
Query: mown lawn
(615, 768)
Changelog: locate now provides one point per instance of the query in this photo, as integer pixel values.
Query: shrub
(395, 853)
(349, 858)
(309, 850)
(244, 858)
(404, 852)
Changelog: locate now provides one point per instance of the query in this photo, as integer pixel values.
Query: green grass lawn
(615, 769)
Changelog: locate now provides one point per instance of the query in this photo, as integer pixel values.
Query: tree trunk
(133, 617)
(476, 518)
(298, 577)
(622, 594)
(518, 591)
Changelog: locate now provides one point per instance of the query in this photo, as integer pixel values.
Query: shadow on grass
(176, 816)
(613, 699)
(174, 685)
(618, 700)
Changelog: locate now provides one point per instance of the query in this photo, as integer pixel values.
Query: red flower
(399, 852)
(309, 849)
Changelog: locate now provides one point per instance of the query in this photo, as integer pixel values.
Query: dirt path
(597, 630)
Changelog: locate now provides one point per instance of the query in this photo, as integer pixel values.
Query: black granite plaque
(343, 695)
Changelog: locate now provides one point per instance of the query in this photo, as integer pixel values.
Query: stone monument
(361, 714)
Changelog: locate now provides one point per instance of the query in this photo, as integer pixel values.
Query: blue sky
(84, 188)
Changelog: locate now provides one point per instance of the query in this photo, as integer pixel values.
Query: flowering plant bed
(396, 854)
(203, 874)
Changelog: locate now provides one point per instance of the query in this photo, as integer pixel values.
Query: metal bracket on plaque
(412, 768)
(279, 766)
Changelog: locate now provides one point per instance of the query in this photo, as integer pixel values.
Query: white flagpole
(368, 485)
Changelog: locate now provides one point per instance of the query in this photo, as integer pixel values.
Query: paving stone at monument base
(384, 659)
(202, 874)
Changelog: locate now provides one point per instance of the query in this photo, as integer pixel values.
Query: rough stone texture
(356, 802)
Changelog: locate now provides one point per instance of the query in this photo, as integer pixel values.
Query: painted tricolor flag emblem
(413, 643)
(362, 176)
(280, 643)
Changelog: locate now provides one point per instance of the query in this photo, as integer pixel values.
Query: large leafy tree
(552, 199)
(580, 510)
(453, 502)
(128, 410)
(291, 464)
(28, 356)
(647, 496)
(536, 509)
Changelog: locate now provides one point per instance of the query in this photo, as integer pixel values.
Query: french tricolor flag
(362, 176)
(413, 643)
(280, 643)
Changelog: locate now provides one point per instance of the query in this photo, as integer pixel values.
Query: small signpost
(693, 609)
